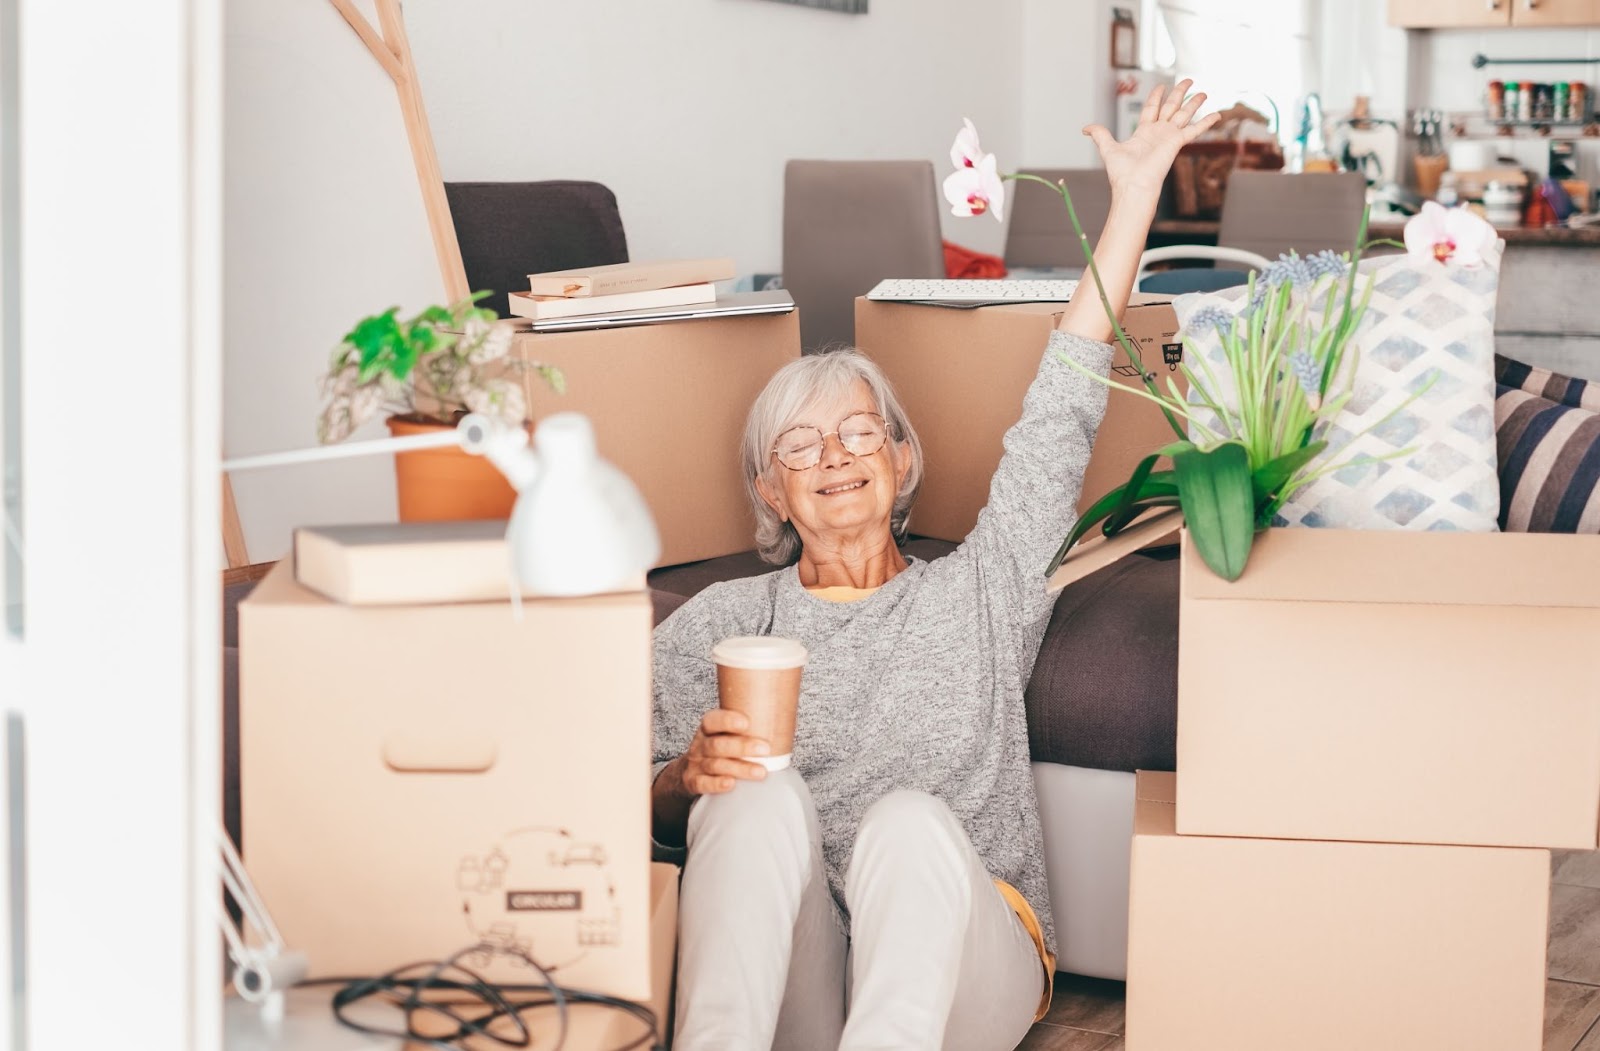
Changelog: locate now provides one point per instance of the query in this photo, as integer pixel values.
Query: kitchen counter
(1204, 231)
(1547, 313)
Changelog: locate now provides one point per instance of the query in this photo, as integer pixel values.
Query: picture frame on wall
(1124, 39)
(848, 7)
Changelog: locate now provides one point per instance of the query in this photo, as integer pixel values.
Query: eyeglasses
(861, 434)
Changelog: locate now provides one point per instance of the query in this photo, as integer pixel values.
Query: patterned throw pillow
(1549, 464)
(1581, 394)
(1425, 323)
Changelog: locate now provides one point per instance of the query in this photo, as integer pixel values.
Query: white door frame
(117, 673)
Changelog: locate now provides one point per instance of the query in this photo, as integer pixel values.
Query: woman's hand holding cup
(717, 758)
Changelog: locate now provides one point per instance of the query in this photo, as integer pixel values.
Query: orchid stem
(1128, 346)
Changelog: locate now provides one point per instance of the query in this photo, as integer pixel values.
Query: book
(399, 563)
(629, 277)
(411, 563)
(540, 308)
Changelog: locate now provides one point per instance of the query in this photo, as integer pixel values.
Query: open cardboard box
(1394, 686)
(668, 402)
(1267, 945)
(961, 375)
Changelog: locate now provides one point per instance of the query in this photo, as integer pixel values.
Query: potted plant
(1260, 424)
(427, 372)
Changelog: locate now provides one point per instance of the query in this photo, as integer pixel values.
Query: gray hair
(795, 388)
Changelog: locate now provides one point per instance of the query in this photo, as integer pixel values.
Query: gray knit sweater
(920, 685)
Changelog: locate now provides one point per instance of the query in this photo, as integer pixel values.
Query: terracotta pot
(444, 485)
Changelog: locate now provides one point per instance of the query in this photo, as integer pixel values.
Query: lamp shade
(580, 526)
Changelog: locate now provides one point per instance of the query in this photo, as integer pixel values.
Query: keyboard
(928, 290)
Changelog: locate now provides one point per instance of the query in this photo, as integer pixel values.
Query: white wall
(1067, 79)
(325, 225)
(688, 110)
(1361, 54)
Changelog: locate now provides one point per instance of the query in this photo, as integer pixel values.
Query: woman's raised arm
(1136, 170)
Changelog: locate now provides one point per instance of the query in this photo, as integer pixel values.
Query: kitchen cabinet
(1554, 12)
(1444, 14)
(1439, 14)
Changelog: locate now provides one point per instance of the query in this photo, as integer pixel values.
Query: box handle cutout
(438, 753)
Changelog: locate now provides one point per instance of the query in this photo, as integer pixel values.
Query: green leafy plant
(436, 366)
(1290, 361)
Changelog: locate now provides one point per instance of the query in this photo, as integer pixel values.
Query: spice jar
(1497, 100)
(1513, 100)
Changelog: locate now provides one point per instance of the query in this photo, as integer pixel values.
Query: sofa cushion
(1105, 686)
(1549, 464)
(1568, 390)
(1104, 691)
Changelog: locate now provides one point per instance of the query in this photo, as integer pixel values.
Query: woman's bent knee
(905, 814)
(777, 806)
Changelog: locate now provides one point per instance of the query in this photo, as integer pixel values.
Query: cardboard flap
(1394, 566)
(1155, 806)
(1097, 552)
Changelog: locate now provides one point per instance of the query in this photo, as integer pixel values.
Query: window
(1259, 53)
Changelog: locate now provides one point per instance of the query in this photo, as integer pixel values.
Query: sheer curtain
(1258, 52)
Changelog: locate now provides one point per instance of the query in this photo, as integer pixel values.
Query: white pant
(936, 957)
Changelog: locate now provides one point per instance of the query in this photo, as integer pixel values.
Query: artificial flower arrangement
(459, 353)
(1248, 440)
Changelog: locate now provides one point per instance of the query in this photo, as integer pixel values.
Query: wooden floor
(1087, 1012)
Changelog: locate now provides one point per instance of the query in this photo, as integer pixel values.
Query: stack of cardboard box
(1378, 734)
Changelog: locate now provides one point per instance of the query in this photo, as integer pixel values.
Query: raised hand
(1139, 165)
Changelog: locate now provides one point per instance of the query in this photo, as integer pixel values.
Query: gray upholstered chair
(508, 230)
(848, 225)
(1039, 232)
(1270, 213)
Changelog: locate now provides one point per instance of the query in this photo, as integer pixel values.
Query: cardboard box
(1264, 945)
(1394, 687)
(591, 1027)
(669, 402)
(961, 374)
(416, 779)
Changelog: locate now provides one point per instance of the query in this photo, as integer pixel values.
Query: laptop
(734, 304)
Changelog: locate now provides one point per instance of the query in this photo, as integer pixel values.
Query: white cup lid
(759, 653)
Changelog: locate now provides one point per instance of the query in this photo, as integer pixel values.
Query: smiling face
(845, 498)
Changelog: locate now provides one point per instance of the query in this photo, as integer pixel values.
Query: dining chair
(508, 230)
(1270, 213)
(1039, 232)
(848, 225)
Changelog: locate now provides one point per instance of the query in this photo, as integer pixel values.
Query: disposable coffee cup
(759, 675)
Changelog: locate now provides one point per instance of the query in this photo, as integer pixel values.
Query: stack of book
(620, 287)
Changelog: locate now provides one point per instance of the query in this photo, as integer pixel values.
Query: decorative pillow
(1424, 321)
(1581, 394)
(1549, 464)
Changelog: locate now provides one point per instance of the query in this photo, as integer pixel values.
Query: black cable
(475, 1005)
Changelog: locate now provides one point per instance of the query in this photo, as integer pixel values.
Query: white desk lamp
(579, 527)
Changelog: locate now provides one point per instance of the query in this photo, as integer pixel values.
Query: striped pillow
(1582, 394)
(1549, 464)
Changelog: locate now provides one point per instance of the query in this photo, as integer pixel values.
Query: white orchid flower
(1450, 236)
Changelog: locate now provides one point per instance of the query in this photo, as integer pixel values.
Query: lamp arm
(436, 440)
(259, 970)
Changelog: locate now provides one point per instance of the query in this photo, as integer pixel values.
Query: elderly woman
(887, 890)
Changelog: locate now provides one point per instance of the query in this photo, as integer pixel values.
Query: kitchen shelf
(1541, 123)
